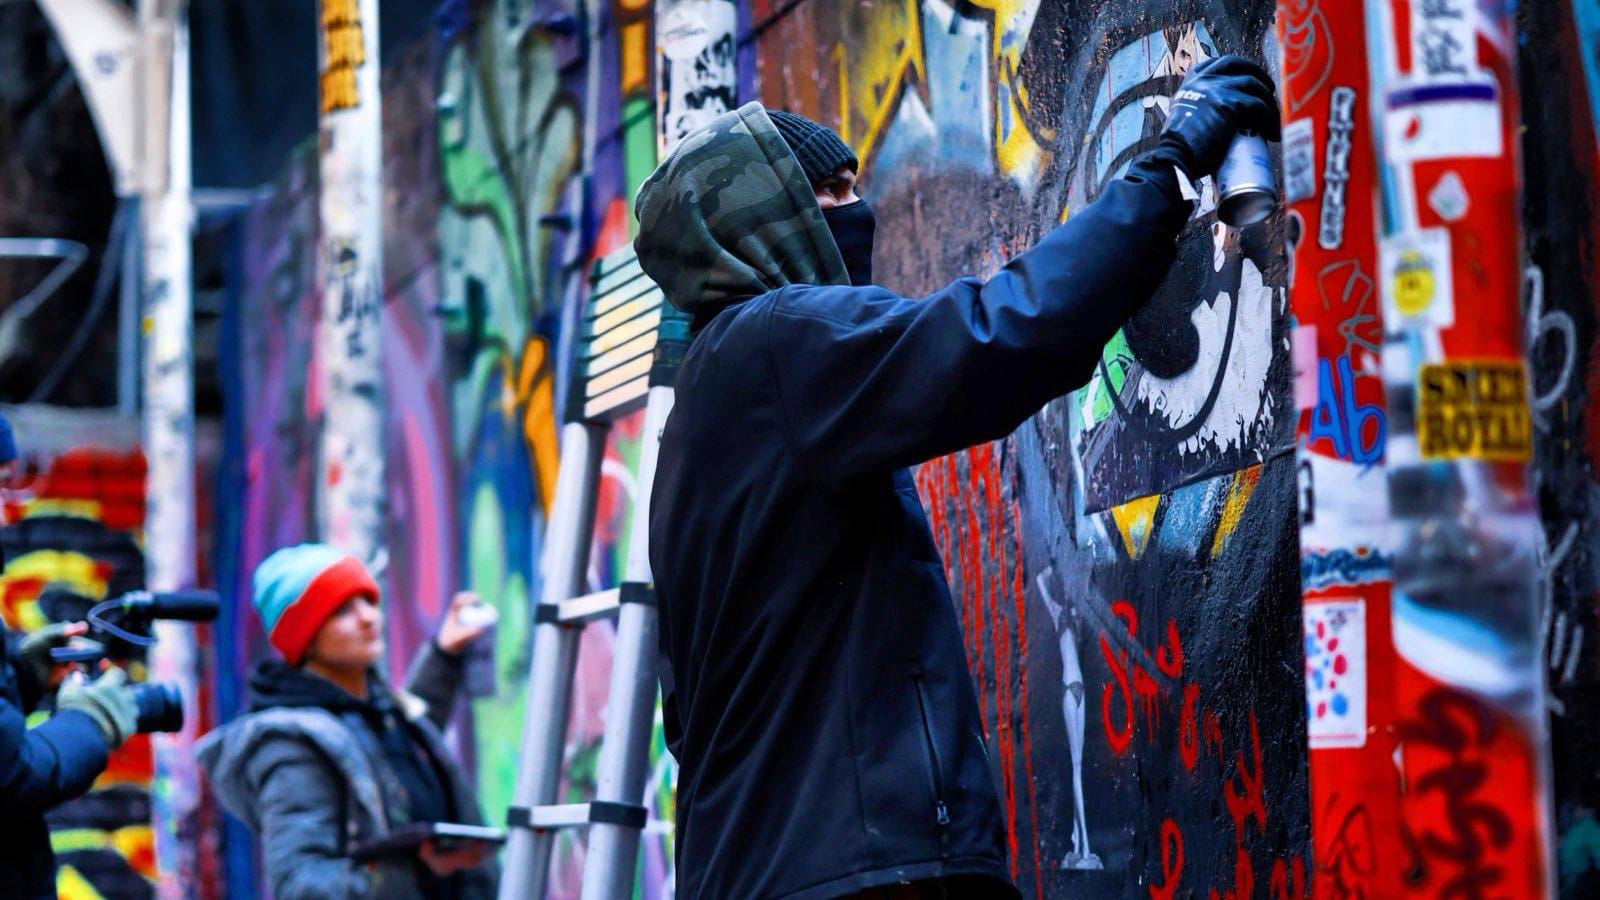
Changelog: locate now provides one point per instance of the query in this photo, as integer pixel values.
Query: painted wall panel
(1558, 64)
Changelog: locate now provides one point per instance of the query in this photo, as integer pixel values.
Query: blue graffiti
(1343, 421)
(1320, 570)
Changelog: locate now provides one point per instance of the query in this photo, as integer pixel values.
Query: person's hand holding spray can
(1218, 123)
(469, 628)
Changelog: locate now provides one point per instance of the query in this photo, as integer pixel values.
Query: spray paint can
(1247, 192)
(479, 674)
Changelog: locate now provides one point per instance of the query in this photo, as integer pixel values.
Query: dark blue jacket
(817, 695)
(40, 768)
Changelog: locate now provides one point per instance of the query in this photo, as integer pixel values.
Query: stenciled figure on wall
(1073, 714)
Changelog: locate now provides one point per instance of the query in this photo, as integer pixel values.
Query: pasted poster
(696, 59)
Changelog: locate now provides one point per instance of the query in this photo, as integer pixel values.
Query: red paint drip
(1022, 647)
(972, 589)
(983, 471)
(1188, 734)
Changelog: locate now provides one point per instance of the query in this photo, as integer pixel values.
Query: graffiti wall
(1174, 622)
(1126, 564)
(1559, 71)
(488, 237)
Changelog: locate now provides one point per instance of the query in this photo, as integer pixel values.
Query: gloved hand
(34, 652)
(1219, 98)
(108, 700)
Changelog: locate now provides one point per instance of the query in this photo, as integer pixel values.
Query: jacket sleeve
(435, 679)
(49, 764)
(869, 381)
(301, 813)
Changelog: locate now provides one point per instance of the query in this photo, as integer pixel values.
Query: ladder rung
(617, 400)
(589, 607)
(577, 815)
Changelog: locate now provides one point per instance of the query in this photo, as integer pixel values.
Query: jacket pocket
(930, 748)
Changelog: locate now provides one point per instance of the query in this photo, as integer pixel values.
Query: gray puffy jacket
(303, 778)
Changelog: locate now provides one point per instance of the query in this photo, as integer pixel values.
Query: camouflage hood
(729, 216)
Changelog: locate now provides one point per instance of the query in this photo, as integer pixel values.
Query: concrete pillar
(350, 482)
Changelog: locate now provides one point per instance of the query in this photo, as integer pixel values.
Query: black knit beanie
(818, 148)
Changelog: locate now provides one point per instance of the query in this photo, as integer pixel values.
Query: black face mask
(853, 226)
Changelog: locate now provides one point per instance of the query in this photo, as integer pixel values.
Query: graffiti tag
(1360, 566)
(1336, 166)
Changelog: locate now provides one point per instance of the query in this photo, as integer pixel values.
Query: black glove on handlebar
(1219, 98)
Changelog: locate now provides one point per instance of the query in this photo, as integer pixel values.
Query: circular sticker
(683, 32)
(1413, 283)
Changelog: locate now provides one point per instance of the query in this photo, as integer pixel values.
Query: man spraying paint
(816, 692)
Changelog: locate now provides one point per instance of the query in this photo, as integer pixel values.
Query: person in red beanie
(329, 756)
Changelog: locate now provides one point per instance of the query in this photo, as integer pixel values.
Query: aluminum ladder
(630, 345)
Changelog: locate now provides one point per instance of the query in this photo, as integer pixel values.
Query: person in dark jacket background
(816, 693)
(329, 756)
(46, 765)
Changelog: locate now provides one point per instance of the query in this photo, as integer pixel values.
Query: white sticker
(1336, 167)
(1336, 672)
(1449, 197)
(684, 30)
(1299, 161)
(1418, 288)
(1436, 120)
(1303, 354)
(1444, 45)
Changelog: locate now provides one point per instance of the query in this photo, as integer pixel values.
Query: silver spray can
(1247, 192)
(480, 669)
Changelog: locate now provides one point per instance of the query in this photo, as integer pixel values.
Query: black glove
(33, 655)
(1218, 99)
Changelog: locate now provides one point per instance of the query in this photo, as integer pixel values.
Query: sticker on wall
(696, 70)
(1433, 120)
(1448, 197)
(1299, 161)
(684, 31)
(1418, 290)
(1476, 409)
(1303, 354)
(1336, 167)
(1444, 40)
(1336, 672)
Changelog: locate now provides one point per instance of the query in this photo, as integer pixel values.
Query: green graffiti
(498, 719)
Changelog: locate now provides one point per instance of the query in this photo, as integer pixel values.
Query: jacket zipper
(931, 748)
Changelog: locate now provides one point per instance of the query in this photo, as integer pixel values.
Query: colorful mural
(488, 239)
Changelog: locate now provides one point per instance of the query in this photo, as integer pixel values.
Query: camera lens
(160, 706)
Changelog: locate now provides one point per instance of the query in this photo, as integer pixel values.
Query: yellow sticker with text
(1476, 409)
